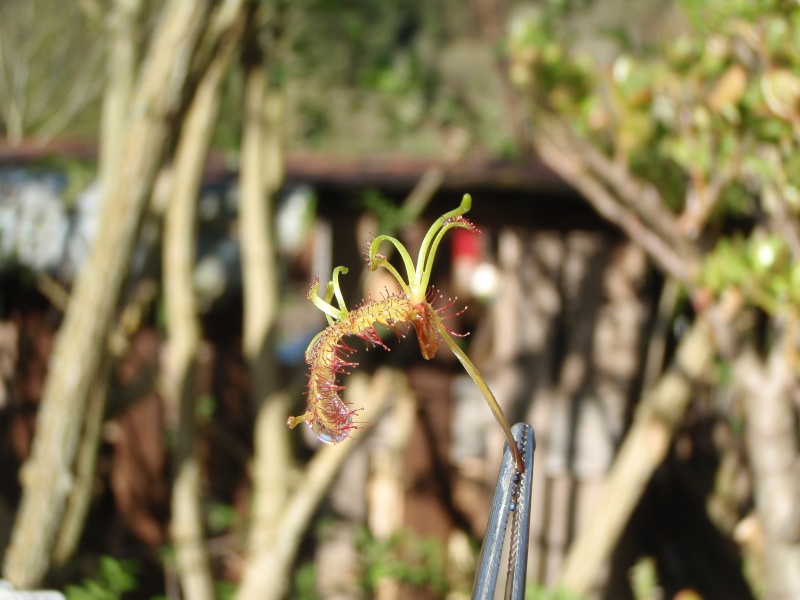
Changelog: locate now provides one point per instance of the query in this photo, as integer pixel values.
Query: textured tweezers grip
(512, 497)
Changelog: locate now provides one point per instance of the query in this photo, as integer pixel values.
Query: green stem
(382, 262)
(336, 289)
(425, 247)
(473, 372)
(424, 274)
(430, 242)
(401, 250)
(325, 307)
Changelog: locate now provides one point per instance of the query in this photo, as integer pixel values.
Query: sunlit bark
(183, 326)
(645, 447)
(773, 452)
(47, 475)
(122, 63)
(261, 175)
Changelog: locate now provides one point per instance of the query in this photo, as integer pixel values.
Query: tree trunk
(183, 326)
(47, 475)
(643, 450)
(267, 570)
(121, 64)
(772, 446)
(77, 505)
(79, 501)
(121, 67)
(261, 175)
(387, 481)
(615, 195)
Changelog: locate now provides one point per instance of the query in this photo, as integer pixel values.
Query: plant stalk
(473, 372)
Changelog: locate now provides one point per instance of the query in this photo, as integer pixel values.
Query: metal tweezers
(512, 498)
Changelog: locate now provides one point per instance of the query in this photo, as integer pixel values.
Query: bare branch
(680, 263)
(47, 475)
(265, 576)
(93, 10)
(187, 526)
(701, 198)
(781, 219)
(644, 448)
(773, 452)
(643, 198)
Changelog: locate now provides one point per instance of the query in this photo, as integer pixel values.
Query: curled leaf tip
(313, 288)
(466, 202)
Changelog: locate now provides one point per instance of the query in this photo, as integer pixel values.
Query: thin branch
(53, 291)
(569, 166)
(766, 387)
(93, 11)
(782, 220)
(47, 473)
(701, 199)
(80, 497)
(434, 176)
(260, 176)
(266, 575)
(642, 197)
(187, 529)
(644, 449)
(657, 344)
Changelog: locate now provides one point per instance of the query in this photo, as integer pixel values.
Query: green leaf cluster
(718, 100)
(114, 578)
(220, 517)
(537, 592)
(715, 106)
(407, 558)
(759, 265)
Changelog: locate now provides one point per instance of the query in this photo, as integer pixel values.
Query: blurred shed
(559, 332)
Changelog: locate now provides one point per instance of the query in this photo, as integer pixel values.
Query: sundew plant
(417, 304)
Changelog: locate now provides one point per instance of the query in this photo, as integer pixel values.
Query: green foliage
(759, 265)
(374, 50)
(716, 107)
(537, 592)
(691, 101)
(166, 554)
(644, 579)
(405, 557)
(224, 590)
(305, 582)
(391, 216)
(220, 517)
(205, 407)
(366, 75)
(114, 578)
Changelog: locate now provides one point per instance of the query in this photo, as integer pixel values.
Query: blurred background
(175, 174)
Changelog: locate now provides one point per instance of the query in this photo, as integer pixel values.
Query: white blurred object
(7, 592)
(33, 223)
(295, 215)
(210, 279)
(483, 281)
(36, 228)
(83, 227)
